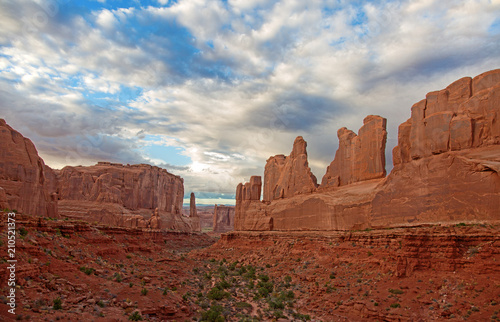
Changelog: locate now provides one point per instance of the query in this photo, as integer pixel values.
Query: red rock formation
(3, 199)
(359, 157)
(133, 186)
(463, 115)
(249, 214)
(447, 167)
(23, 175)
(124, 195)
(223, 218)
(285, 177)
(193, 214)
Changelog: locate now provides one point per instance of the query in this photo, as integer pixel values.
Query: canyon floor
(75, 271)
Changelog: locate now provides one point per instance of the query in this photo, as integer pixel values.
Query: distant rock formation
(23, 175)
(193, 214)
(223, 219)
(284, 177)
(359, 157)
(446, 170)
(123, 195)
(133, 186)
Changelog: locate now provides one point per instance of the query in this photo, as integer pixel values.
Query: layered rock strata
(446, 170)
(223, 219)
(23, 175)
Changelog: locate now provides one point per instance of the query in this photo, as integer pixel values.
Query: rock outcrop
(446, 170)
(249, 214)
(124, 195)
(133, 186)
(287, 176)
(23, 175)
(463, 115)
(359, 157)
(193, 214)
(223, 219)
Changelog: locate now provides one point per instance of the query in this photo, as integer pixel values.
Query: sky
(210, 89)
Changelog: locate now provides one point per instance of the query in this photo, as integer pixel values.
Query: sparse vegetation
(57, 303)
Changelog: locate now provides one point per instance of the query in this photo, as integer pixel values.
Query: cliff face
(133, 186)
(23, 175)
(359, 157)
(223, 219)
(124, 195)
(446, 169)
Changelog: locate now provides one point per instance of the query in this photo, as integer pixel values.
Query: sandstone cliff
(123, 195)
(359, 157)
(223, 218)
(23, 175)
(133, 186)
(446, 170)
(286, 176)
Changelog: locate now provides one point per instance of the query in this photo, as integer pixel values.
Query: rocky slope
(23, 175)
(446, 170)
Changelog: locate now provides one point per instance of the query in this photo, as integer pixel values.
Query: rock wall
(359, 157)
(23, 175)
(133, 186)
(286, 176)
(446, 170)
(464, 115)
(223, 219)
(124, 195)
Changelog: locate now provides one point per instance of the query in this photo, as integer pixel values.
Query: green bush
(144, 292)
(217, 294)
(136, 316)
(213, 315)
(57, 304)
(23, 231)
(395, 305)
(87, 270)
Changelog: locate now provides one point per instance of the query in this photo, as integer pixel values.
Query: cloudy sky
(209, 89)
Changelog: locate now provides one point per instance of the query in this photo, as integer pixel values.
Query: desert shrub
(214, 314)
(136, 316)
(87, 270)
(57, 304)
(217, 294)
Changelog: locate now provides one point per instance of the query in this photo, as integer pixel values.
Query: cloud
(229, 83)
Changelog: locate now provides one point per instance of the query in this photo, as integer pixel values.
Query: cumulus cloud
(229, 82)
